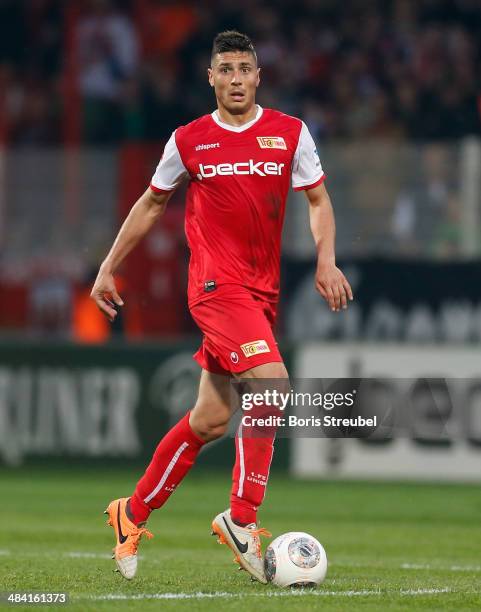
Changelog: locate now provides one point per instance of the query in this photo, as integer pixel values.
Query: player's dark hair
(231, 40)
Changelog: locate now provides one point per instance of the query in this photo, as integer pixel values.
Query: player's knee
(209, 432)
(208, 428)
(278, 370)
(214, 432)
(267, 370)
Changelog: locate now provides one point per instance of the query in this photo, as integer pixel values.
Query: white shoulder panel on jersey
(306, 165)
(170, 170)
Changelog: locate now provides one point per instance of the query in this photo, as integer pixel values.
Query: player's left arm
(330, 281)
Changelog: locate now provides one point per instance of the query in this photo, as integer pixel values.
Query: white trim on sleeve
(306, 165)
(170, 170)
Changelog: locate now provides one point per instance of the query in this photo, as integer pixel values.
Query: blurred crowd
(135, 69)
(110, 72)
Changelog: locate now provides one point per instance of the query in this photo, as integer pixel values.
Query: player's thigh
(266, 377)
(275, 369)
(213, 406)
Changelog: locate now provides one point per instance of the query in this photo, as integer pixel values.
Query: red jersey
(239, 178)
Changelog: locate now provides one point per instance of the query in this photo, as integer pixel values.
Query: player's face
(235, 78)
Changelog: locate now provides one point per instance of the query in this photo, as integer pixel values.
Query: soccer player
(239, 162)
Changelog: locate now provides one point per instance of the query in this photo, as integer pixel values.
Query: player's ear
(258, 80)
(210, 74)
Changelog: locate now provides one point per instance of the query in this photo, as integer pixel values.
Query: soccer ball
(295, 559)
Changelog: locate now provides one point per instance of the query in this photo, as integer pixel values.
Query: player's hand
(333, 286)
(104, 294)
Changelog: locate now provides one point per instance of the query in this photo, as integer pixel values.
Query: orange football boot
(128, 537)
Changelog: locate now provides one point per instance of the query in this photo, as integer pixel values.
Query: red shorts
(237, 330)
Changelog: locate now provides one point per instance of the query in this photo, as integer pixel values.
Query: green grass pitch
(390, 546)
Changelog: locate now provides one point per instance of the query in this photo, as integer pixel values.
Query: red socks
(173, 458)
(176, 454)
(250, 474)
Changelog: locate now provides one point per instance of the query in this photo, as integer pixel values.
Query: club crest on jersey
(255, 348)
(271, 142)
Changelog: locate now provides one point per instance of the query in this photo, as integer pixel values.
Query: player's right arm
(149, 207)
(144, 213)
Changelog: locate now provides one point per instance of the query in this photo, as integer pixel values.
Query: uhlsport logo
(234, 357)
(249, 167)
(271, 142)
(255, 348)
(204, 147)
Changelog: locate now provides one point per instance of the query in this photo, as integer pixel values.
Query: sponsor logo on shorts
(255, 348)
(271, 142)
(234, 357)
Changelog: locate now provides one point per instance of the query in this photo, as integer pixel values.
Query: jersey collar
(238, 128)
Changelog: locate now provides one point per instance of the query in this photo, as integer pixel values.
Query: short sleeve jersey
(239, 178)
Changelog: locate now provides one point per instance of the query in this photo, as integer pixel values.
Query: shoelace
(134, 539)
(259, 531)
